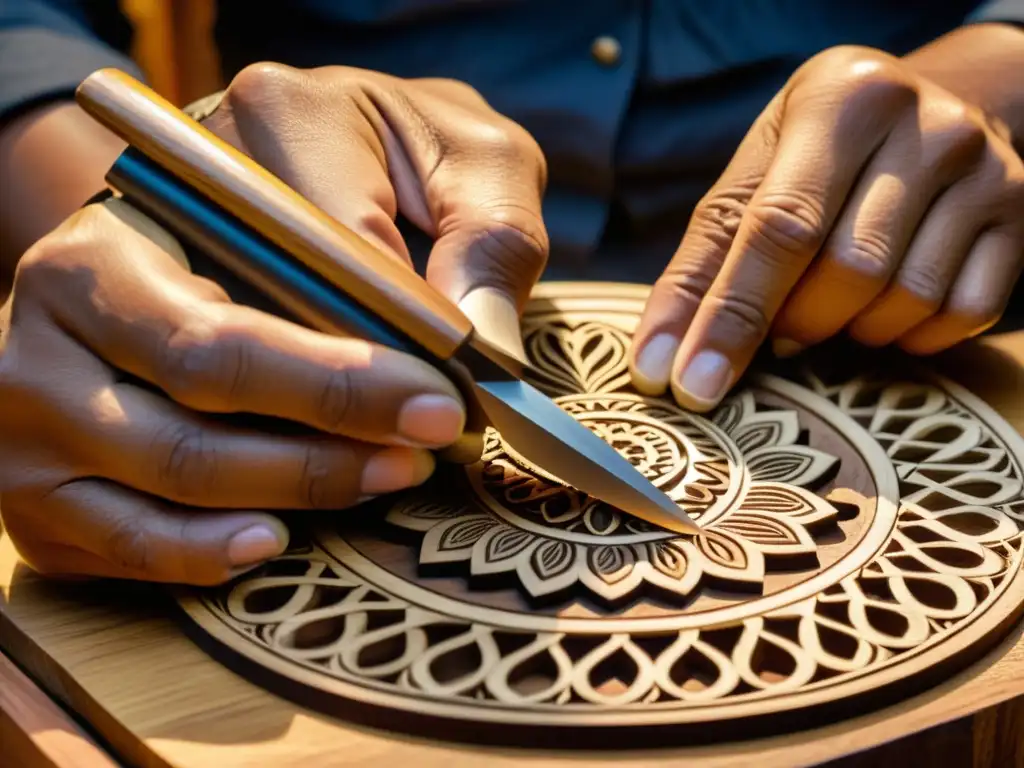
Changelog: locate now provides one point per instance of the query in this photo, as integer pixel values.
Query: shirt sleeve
(1007, 11)
(47, 47)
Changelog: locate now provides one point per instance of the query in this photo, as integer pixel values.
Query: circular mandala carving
(862, 536)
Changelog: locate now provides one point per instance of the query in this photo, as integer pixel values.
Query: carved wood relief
(863, 535)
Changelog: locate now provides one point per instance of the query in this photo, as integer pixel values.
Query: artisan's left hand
(865, 197)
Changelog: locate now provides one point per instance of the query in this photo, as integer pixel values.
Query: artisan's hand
(363, 145)
(865, 197)
(141, 475)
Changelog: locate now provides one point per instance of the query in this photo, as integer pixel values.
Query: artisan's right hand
(102, 476)
(140, 476)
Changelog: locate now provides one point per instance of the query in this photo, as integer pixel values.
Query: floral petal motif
(612, 572)
(793, 464)
(769, 428)
(452, 540)
(796, 504)
(772, 535)
(497, 549)
(552, 557)
(674, 566)
(597, 352)
(422, 515)
(730, 557)
(612, 563)
(550, 566)
(589, 358)
(668, 558)
(733, 410)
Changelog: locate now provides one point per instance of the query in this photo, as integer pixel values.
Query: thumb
(488, 256)
(496, 319)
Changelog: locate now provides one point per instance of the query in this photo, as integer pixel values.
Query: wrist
(52, 159)
(981, 64)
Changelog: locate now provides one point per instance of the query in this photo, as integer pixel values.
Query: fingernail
(431, 420)
(654, 363)
(784, 348)
(394, 468)
(705, 380)
(495, 318)
(255, 544)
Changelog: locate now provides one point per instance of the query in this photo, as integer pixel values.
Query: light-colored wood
(161, 701)
(782, 612)
(114, 654)
(213, 167)
(35, 732)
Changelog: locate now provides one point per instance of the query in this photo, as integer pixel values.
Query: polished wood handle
(165, 134)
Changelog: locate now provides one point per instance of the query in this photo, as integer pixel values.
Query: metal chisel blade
(549, 437)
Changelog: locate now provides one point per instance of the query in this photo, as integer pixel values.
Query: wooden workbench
(139, 688)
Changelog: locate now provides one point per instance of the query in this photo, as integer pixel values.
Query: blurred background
(174, 46)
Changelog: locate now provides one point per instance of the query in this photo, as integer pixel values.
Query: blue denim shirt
(632, 141)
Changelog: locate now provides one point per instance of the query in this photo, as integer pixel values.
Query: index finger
(165, 326)
(821, 151)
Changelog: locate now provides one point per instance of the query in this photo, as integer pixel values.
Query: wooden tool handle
(240, 186)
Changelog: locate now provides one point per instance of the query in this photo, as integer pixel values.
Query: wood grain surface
(35, 732)
(113, 655)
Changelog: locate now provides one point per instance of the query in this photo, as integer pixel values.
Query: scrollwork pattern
(955, 549)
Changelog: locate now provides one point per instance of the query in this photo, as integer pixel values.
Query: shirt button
(606, 50)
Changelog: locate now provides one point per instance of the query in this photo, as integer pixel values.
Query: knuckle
(867, 255)
(337, 400)
(186, 462)
(683, 284)
(453, 85)
(503, 141)
(208, 290)
(966, 130)
(65, 259)
(786, 226)
(742, 317)
(717, 216)
(498, 138)
(961, 137)
(513, 238)
(204, 363)
(262, 82)
(49, 260)
(317, 479)
(267, 91)
(867, 77)
(926, 282)
(127, 545)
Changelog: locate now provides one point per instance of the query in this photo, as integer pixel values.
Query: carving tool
(241, 216)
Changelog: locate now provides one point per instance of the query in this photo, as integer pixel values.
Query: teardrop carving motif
(859, 528)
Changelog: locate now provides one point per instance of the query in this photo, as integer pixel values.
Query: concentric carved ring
(862, 535)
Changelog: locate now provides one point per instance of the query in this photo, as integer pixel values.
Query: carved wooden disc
(863, 536)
